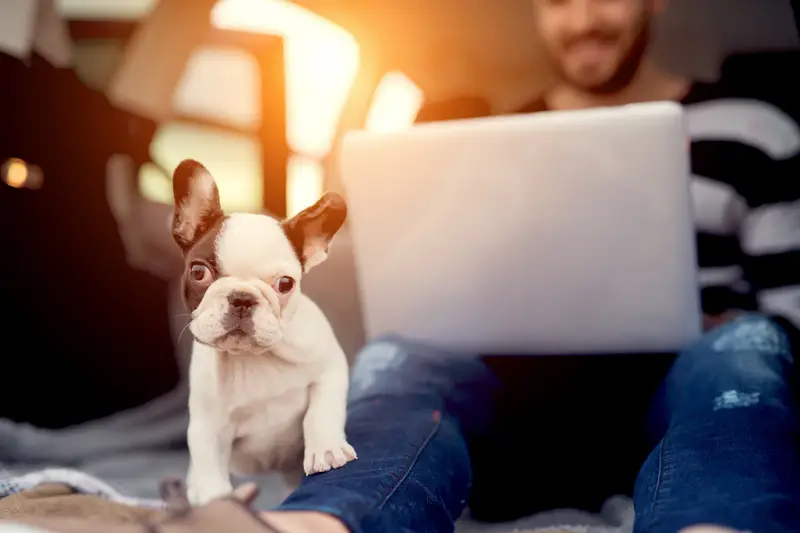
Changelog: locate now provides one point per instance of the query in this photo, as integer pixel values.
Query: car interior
(263, 91)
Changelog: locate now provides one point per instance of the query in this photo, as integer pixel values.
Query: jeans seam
(410, 465)
(659, 480)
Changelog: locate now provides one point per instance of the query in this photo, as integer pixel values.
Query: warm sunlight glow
(233, 159)
(322, 61)
(304, 179)
(223, 84)
(395, 104)
(105, 9)
(16, 173)
(155, 186)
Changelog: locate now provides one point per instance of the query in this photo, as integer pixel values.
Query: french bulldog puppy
(268, 379)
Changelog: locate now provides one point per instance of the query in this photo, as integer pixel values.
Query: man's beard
(625, 72)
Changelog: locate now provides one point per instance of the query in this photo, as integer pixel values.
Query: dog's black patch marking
(182, 180)
(320, 221)
(203, 251)
(296, 239)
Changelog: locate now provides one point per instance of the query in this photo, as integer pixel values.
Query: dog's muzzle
(242, 306)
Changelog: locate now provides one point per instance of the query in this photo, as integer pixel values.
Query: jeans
(709, 436)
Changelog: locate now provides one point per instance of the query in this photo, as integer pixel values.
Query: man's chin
(592, 83)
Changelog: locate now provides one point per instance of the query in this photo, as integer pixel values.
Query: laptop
(551, 233)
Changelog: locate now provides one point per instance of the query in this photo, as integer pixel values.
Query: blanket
(49, 499)
(123, 458)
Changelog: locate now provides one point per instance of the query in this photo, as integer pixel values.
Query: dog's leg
(326, 446)
(210, 454)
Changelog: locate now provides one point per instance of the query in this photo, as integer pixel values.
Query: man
(718, 445)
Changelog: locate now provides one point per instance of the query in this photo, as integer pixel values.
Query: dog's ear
(197, 207)
(311, 231)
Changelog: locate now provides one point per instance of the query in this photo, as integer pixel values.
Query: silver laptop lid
(553, 233)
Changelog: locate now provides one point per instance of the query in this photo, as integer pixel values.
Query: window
(234, 159)
(220, 86)
(322, 61)
(105, 9)
(304, 186)
(220, 92)
(395, 103)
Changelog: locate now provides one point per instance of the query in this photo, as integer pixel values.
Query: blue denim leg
(729, 451)
(409, 412)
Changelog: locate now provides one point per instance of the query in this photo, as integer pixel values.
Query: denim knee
(751, 353)
(413, 374)
(726, 427)
(392, 366)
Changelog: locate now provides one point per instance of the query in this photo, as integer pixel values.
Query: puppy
(268, 379)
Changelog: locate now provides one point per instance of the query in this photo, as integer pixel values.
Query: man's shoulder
(701, 92)
(740, 98)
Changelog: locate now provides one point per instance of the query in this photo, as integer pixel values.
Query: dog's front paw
(202, 493)
(324, 457)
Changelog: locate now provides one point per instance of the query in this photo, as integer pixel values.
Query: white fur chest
(257, 402)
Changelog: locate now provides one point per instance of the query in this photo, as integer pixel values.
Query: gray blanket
(124, 457)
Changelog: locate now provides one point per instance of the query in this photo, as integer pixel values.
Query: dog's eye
(200, 273)
(284, 285)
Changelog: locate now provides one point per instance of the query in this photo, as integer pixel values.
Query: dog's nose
(242, 303)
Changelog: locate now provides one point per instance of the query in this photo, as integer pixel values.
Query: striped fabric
(746, 192)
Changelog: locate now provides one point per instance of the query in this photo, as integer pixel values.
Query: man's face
(595, 45)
